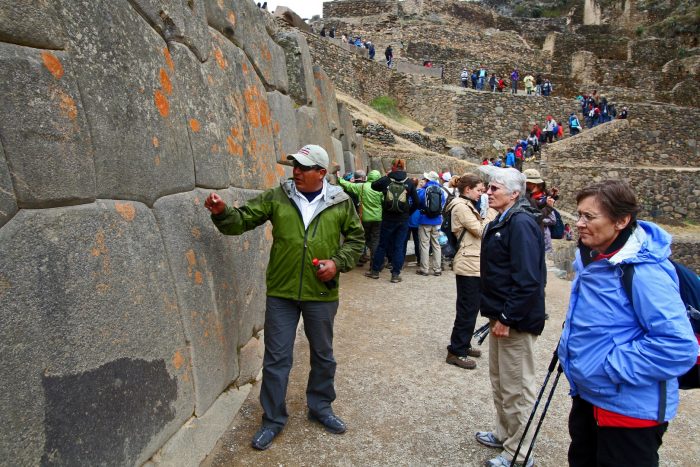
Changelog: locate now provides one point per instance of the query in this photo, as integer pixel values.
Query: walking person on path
(309, 217)
(370, 209)
(513, 277)
(400, 200)
(432, 200)
(389, 55)
(467, 226)
(514, 77)
(622, 354)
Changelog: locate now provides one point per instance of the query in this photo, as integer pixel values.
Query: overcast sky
(304, 8)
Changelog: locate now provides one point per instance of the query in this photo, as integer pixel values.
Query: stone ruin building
(127, 321)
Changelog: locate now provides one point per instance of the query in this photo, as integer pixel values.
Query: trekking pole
(550, 370)
(481, 333)
(544, 412)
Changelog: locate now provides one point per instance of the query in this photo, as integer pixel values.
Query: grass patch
(386, 105)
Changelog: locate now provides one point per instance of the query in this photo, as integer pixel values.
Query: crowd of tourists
(621, 354)
(479, 79)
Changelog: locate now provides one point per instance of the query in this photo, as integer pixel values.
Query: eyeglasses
(585, 218)
(306, 168)
(493, 188)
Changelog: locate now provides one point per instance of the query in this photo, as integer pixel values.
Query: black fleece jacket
(412, 195)
(513, 270)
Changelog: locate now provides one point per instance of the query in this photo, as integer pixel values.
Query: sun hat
(533, 176)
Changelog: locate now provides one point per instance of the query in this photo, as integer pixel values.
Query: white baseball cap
(311, 155)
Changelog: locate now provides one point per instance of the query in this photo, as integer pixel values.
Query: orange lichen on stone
(231, 18)
(194, 124)
(155, 141)
(162, 103)
(102, 288)
(168, 59)
(214, 148)
(67, 105)
(165, 82)
(197, 277)
(266, 54)
(126, 210)
(220, 60)
(100, 249)
(156, 160)
(280, 170)
(191, 259)
(196, 233)
(245, 68)
(256, 104)
(178, 360)
(276, 127)
(234, 142)
(268, 233)
(53, 64)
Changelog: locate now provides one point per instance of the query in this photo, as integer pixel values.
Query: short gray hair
(512, 179)
(359, 174)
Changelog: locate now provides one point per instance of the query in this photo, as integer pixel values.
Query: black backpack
(449, 250)
(689, 286)
(433, 201)
(396, 197)
(557, 230)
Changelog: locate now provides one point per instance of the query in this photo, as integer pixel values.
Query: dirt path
(403, 404)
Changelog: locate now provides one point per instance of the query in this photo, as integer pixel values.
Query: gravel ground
(402, 403)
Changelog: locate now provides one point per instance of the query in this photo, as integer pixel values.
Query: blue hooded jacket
(615, 355)
(510, 159)
(423, 219)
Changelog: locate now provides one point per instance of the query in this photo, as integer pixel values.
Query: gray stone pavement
(402, 403)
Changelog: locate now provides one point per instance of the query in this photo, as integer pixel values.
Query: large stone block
(325, 101)
(347, 130)
(179, 20)
(291, 18)
(131, 97)
(284, 127)
(300, 73)
(337, 156)
(349, 160)
(96, 369)
(43, 128)
(312, 130)
(8, 203)
(242, 22)
(216, 283)
(239, 102)
(251, 360)
(32, 23)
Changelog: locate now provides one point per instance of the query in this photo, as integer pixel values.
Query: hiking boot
(332, 423)
(472, 352)
(462, 362)
(501, 461)
(487, 438)
(421, 273)
(263, 438)
(395, 278)
(372, 274)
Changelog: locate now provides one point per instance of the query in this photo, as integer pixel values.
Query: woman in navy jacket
(622, 357)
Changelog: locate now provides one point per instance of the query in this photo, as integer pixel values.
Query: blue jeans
(392, 240)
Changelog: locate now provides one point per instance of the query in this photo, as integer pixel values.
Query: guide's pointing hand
(215, 204)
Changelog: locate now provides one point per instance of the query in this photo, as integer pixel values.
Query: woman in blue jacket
(622, 357)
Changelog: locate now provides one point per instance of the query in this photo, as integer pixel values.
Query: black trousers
(372, 231)
(593, 445)
(468, 299)
(281, 320)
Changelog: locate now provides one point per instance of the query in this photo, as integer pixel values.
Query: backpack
(450, 196)
(557, 230)
(396, 197)
(433, 201)
(689, 287)
(449, 250)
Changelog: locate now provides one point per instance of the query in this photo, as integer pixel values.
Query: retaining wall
(126, 320)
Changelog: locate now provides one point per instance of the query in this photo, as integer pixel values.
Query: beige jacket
(465, 216)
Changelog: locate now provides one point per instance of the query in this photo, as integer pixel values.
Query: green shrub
(639, 31)
(387, 106)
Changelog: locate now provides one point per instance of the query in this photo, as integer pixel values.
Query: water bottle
(331, 284)
(442, 238)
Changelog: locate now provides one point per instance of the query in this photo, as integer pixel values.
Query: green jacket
(371, 200)
(290, 273)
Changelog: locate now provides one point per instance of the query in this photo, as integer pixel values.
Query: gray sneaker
(487, 438)
(395, 278)
(502, 461)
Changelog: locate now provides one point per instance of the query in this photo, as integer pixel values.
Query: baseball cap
(311, 155)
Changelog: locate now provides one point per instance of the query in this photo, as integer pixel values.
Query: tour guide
(309, 217)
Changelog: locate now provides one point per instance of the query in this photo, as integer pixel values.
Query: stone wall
(357, 8)
(126, 319)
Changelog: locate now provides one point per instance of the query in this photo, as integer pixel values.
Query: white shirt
(306, 207)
